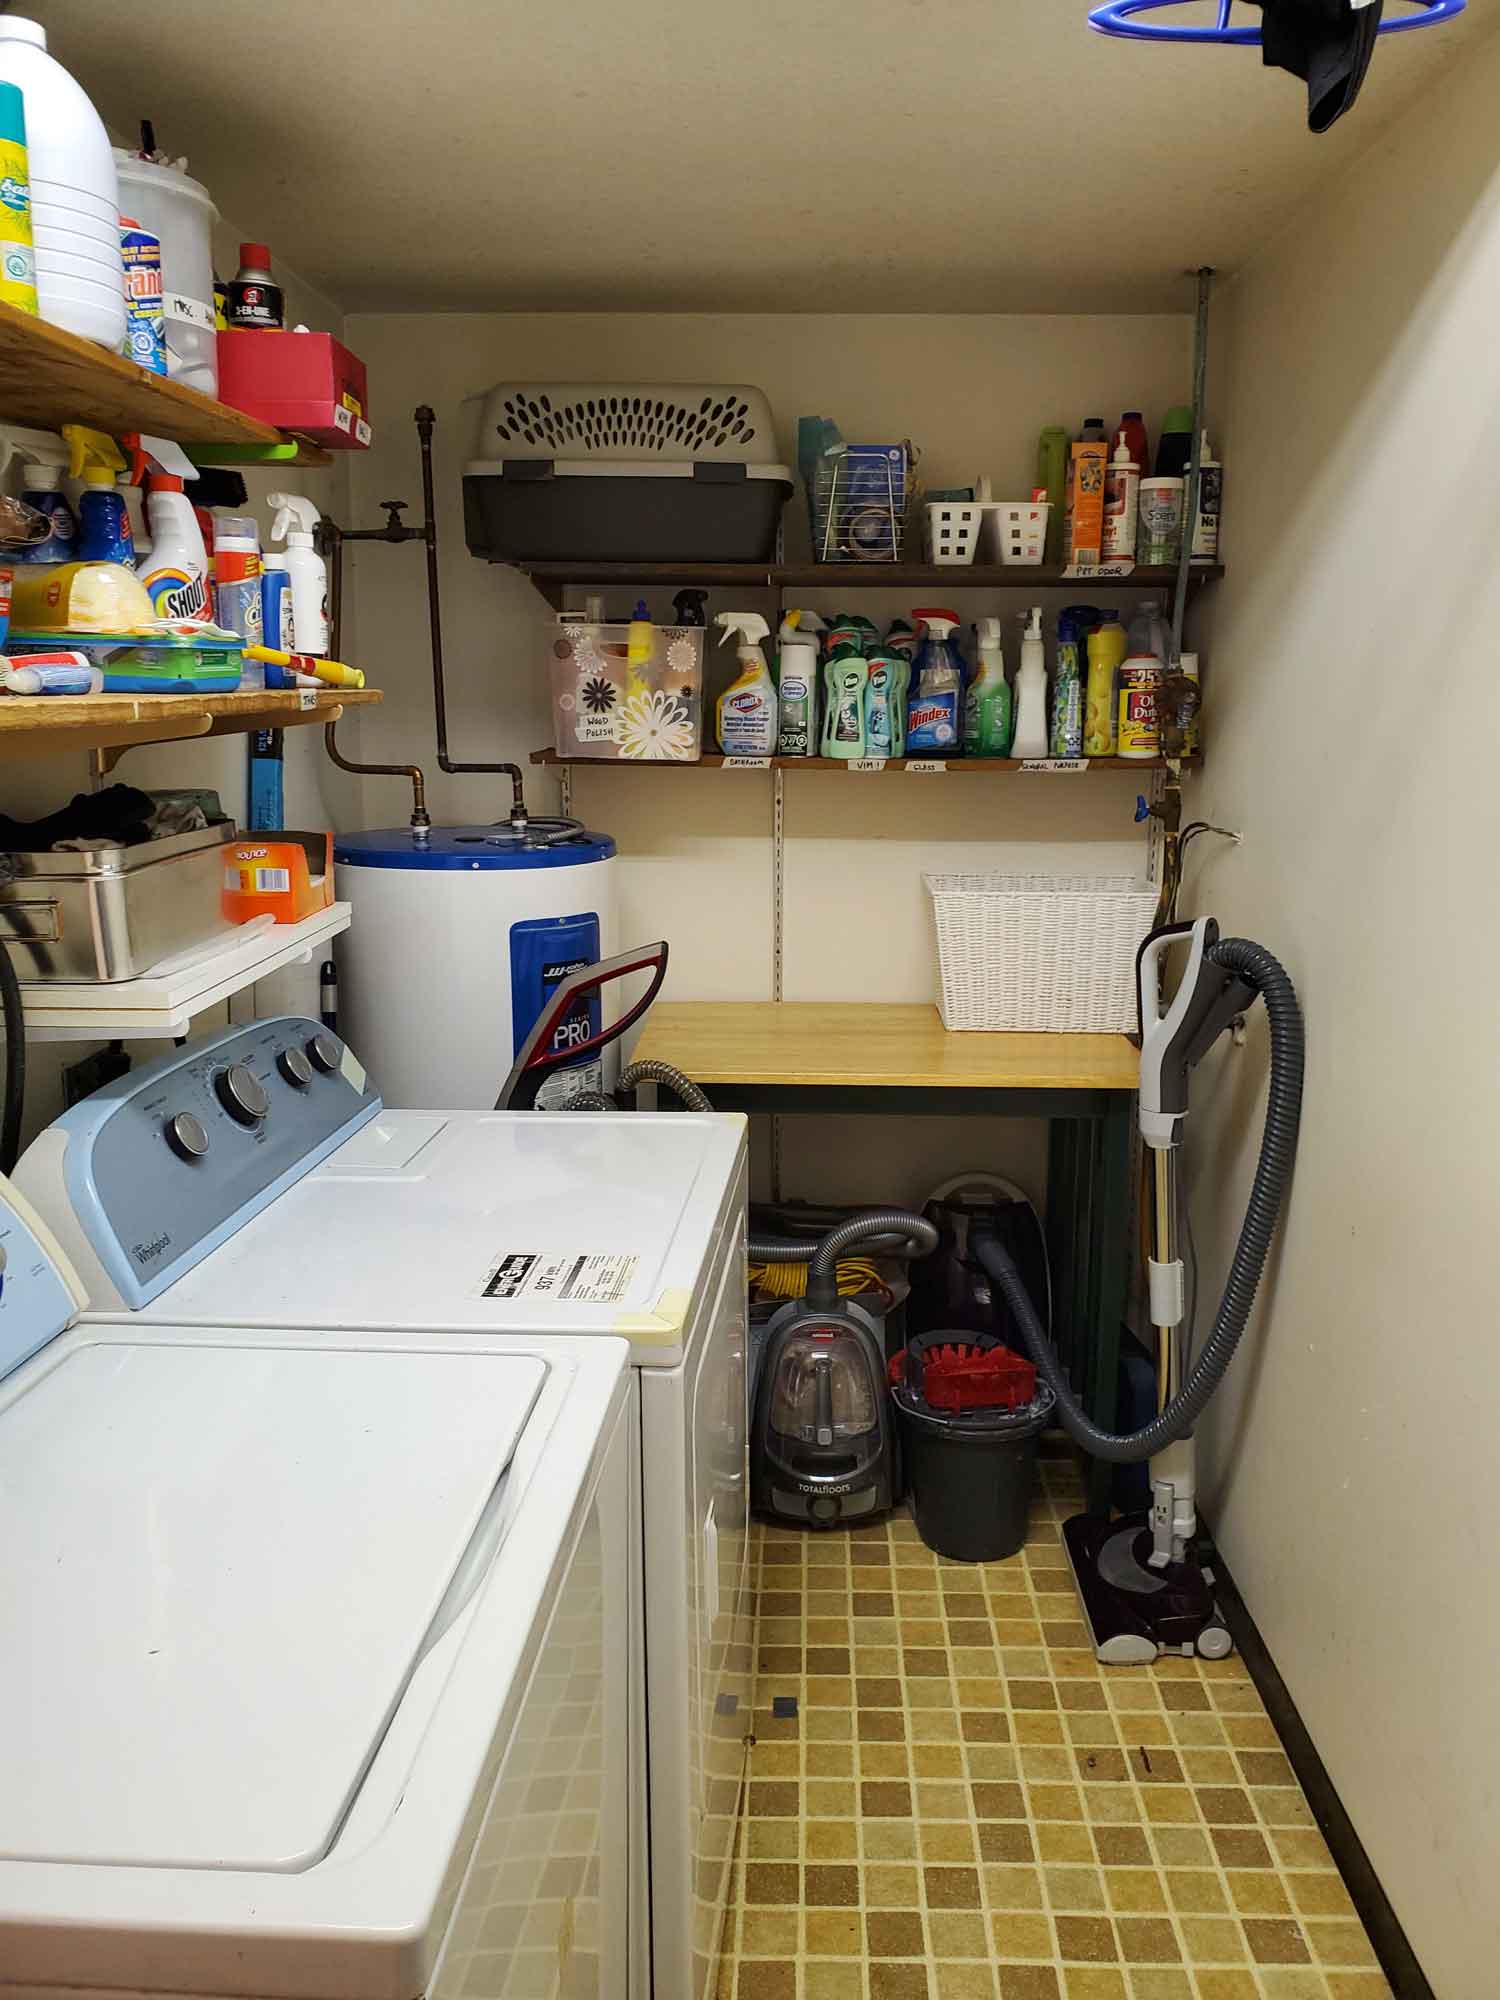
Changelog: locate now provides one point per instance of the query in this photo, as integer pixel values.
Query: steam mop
(1143, 1587)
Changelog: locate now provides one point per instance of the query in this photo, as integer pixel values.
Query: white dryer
(310, 1203)
(313, 1656)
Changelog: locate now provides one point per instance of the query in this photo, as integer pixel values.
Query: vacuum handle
(537, 1056)
(1167, 1032)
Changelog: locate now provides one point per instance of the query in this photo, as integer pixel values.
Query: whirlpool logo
(147, 1253)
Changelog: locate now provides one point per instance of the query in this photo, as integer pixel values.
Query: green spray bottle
(988, 718)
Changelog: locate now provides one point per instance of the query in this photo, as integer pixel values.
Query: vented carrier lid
(695, 422)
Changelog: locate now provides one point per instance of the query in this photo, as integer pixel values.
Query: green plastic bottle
(844, 679)
(988, 717)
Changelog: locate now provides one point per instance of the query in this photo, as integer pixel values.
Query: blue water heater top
(468, 847)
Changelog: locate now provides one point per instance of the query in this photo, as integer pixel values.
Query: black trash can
(971, 1474)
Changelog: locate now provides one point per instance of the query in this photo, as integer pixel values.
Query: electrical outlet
(82, 1079)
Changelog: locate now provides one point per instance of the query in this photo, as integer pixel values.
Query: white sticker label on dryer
(589, 1278)
(352, 1070)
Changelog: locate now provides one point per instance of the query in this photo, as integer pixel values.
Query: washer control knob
(187, 1136)
(325, 1053)
(295, 1067)
(242, 1094)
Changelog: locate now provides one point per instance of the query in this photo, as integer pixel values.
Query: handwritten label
(865, 764)
(747, 764)
(1058, 766)
(307, 698)
(1082, 572)
(926, 767)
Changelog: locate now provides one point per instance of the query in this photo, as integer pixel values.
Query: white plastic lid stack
(74, 191)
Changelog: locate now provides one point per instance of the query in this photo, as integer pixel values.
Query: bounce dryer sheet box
(604, 704)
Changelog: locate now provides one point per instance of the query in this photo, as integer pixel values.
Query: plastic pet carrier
(624, 472)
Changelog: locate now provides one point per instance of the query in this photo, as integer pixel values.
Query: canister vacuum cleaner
(1144, 1590)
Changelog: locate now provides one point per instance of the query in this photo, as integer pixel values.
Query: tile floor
(949, 1799)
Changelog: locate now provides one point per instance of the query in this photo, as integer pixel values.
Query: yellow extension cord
(789, 1281)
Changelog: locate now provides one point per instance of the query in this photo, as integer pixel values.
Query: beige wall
(1350, 1464)
(972, 391)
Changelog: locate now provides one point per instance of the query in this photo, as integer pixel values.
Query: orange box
(1086, 495)
(285, 875)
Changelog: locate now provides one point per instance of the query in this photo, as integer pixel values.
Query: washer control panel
(163, 1165)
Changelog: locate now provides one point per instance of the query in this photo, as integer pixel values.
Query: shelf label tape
(747, 764)
(1062, 767)
(926, 767)
(307, 698)
(865, 764)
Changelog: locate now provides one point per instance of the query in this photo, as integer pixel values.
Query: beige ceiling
(736, 155)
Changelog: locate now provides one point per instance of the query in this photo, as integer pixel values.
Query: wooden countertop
(820, 1043)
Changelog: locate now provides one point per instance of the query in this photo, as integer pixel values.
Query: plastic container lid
(979, 1427)
(163, 180)
(477, 849)
(14, 29)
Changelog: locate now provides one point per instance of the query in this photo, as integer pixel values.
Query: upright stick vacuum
(1143, 1588)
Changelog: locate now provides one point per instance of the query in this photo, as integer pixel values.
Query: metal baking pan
(114, 912)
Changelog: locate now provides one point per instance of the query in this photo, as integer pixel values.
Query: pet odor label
(580, 1277)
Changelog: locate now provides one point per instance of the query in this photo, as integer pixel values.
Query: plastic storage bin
(970, 1474)
(181, 213)
(624, 472)
(1038, 953)
(1018, 531)
(953, 531)
(603, 705)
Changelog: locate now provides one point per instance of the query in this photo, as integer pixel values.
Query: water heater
(458, 938)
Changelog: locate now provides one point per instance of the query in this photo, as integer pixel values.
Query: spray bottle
(1031, 692)
(45, 457)
(935, 714)
(797, 689)
(103, 517)
(747, 707)
(987, 707)
(296, 518)
(175, 571)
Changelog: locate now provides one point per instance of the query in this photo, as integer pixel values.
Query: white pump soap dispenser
(1031, 692)
(747, 707)
(296, 518)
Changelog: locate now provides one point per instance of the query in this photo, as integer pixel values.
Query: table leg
(1109, 1258)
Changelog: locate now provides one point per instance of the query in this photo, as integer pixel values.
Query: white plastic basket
(953, 531)
(1039, 953)
(1018, 531)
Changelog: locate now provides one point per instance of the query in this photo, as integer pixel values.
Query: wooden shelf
(960, 767)
(872, 1046)
(49, 378)
(552, 578)
(42, 725)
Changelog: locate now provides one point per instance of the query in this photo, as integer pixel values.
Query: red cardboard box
(304, 382)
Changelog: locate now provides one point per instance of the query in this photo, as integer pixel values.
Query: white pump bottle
(296, 518)
(1030, 739)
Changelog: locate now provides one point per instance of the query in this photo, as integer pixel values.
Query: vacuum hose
(1278, 1148)
(643, 1072)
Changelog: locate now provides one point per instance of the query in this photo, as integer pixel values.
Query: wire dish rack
(861, 498)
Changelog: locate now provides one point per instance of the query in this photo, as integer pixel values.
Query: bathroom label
(1059, 766)
(865, 764)
(747, 764)
(926, 767)
(588, 1278)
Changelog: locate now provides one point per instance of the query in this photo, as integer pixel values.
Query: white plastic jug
(73, 183)
(179, 212)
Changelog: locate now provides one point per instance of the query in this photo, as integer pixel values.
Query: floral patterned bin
(605, 705)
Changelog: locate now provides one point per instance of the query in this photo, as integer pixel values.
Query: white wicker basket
(1039, 952)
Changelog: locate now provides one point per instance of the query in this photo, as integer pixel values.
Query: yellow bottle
(1107, 648)
(17, 257)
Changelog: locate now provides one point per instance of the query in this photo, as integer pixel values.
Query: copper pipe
(420, 819)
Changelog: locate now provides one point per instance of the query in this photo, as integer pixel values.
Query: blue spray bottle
(934, 714)
(103, 518)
